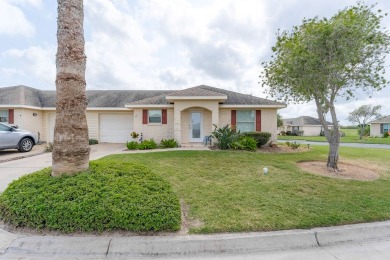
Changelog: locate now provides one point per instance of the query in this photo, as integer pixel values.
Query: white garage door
(115, 128)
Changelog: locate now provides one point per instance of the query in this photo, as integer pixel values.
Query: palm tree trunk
(71, 146)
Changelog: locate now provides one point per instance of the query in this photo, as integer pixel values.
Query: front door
(196, 127)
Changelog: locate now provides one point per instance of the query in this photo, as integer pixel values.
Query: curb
(192, 244)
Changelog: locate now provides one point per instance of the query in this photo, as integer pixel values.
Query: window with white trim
(4, 116)
(245, 120)
(154, 116)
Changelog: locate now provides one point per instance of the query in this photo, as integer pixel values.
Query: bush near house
(111, 195)
(244, 143)
(225, 136)
(133, 145)
(261, 137)
(147, 144)
(168, 143)
(93, 141)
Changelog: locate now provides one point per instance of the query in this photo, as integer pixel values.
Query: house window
(385, 128)
(154, 116)
(245, 120)
(295, 128)
(4, 116)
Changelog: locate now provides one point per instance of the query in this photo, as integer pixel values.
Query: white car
(13, 138)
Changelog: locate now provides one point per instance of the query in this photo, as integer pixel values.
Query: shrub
(288, 133)
(111, 195)
(288, 144)
(168, 143)
(245, 143)
(133, 145)
(299, 132)
(283, 132)
(93, 141)
(147, 144)
(261, 137)
(386, 134)
(365, 131)
(225, 136)
(295, 145)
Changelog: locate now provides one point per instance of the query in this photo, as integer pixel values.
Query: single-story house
(307, 125)
(187, 115)
(380, 126)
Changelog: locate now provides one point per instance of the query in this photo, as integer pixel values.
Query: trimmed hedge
(261, 137)
(110, 196)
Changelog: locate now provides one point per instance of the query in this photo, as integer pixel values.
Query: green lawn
(351, 136)
(226, 191)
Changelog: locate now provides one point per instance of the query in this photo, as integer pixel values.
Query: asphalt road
(373, 146)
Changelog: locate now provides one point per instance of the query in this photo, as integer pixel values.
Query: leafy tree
(71, 148)
(325, 59)
(279, 120)
(362, 115)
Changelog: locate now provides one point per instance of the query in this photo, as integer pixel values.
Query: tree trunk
(71, 146)
(361, 133)
(333, 156)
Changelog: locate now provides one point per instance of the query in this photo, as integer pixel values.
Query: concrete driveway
(14, 169)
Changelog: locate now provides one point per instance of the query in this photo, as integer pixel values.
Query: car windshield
(4, 127)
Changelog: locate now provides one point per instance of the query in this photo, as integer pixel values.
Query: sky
(170, 44)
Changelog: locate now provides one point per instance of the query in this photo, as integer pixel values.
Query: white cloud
(13, 21)
(37, 61)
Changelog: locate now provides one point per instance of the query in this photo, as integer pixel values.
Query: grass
(227, 192)
(109, 196)
(351, 136)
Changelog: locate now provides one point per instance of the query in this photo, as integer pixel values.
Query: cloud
(13, 21)
(36, 61)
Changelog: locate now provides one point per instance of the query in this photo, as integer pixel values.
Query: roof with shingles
(27, 96)
(383, 120)
(303, 121)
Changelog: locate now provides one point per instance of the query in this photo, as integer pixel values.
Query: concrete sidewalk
(14, 246)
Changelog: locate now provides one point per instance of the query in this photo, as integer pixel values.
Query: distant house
(380, 126)
(187, 115)
(303, 125)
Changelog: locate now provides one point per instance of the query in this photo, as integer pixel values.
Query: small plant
(386, 134)
(134, 135)
(288, 144)
(133, 145)
(295, 145)
(147, 144)
(48, 148)
(93, 141)
(225, 136)
(168, 143)
(283, 132)
(248, 143)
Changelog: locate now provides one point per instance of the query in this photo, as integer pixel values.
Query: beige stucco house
(309, 126)
(380, 126)
(186, 115)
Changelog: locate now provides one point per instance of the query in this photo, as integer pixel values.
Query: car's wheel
(25, 145)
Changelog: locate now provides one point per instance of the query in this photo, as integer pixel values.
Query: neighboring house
(380, 126)
(186, 115)
(309, 125)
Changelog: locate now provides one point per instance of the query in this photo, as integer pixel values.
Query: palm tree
(71, 148)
